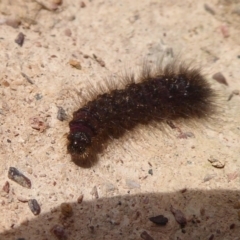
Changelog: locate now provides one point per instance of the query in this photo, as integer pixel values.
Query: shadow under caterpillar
(163, 94)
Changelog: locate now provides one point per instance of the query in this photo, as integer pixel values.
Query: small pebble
(71, 18)
(144, 235)
(5, 83)
(211, 237)
(61, 114)
(38, 44)
(236, 205)
(59, 232)
(135, 216)
(160, 220)
(58, 2)
(22, 199)
(86, 56)
(209, 9)
(30, 170)
(220, 78)
(38, 96)
(6, 187)
(235, 92)
(225, 31)
(99, 60)
(76, 64)
(80, 199)
(94, 192)
(13, 23)
(38, 123)
(18, 177)
(82, 4)
(216, 163)
(20, 39)
(68, 32)
(179, 216)
(208, 177)
(202, 211)
(183, 190)
(34, 206)
(232, 226)
(27, 78)
(66, 210)
(150, 171)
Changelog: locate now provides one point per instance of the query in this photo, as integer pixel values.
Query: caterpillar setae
(163, 94)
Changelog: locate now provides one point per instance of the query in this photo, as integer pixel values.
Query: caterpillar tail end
(85, 160)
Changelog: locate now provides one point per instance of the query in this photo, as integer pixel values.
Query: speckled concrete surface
(146, 172)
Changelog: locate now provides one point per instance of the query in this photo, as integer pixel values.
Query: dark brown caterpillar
(166, 93)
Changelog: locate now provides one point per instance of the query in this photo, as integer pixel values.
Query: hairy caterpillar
(165, 93)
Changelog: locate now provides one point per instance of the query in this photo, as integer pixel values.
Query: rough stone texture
(106, 37)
